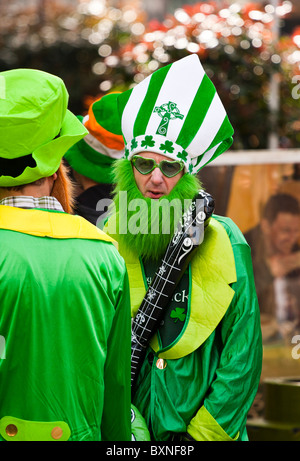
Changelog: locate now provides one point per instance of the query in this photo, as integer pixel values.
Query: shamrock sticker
(167, 147)
(148, 142)
(182, 155)
(178, 314)
(134, 144)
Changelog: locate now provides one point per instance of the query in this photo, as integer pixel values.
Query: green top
(36, 127)
(207, 378)
(66, 323)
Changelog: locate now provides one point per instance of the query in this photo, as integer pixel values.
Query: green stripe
(123, 100)
(224, 136)
(147, 106)
(225, 132)
(222, 148)
(106, 114)
(197, 112)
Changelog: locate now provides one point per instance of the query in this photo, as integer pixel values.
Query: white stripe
(95, 144)
(132, 107)
(180, 86)
(207, 156)
(209, 128)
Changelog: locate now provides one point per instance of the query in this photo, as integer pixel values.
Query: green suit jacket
(65, 317)
(211, 371)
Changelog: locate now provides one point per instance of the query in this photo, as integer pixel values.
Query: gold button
(11, 430)
(56, 432)
(161, 364)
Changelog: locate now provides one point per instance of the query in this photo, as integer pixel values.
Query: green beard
(145, 225)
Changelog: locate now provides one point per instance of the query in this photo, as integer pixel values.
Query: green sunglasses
(168, 168)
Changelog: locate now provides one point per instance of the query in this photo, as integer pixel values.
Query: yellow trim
(212, 269)
(203, 427)
(19, 430)
(48, 224)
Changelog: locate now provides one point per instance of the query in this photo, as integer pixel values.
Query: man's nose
(157, 176)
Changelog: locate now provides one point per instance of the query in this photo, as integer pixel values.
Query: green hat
(36, 128)
(94, 155)
(176, 112)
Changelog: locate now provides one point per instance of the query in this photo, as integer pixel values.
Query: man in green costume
(202, 366)
(65, 311)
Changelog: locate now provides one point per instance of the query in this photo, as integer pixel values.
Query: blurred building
(157, 9)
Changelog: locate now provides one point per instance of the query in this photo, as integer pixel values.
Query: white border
(257, 157)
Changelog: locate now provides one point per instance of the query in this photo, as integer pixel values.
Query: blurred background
(251, 52)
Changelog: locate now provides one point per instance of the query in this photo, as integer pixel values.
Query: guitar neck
(154, 304)
(177, 257)
(156, 300)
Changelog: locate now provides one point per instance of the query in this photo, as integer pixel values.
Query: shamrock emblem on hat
(148, 142)
(183, 155)
(167, 147)
(134, 144)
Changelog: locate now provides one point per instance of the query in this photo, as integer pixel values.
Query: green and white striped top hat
(176, 112)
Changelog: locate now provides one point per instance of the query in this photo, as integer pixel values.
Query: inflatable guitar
(188, 236)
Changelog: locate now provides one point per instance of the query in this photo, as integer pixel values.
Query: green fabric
(34, 121)
(67, 336)
(147, 105)
(89, 162)
(106, 113)
(140, 432)
(220, 376)
(210, 288)
(195, 117)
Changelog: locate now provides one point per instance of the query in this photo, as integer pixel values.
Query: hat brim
(88, 162)
(83, 159)
(49, 155)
